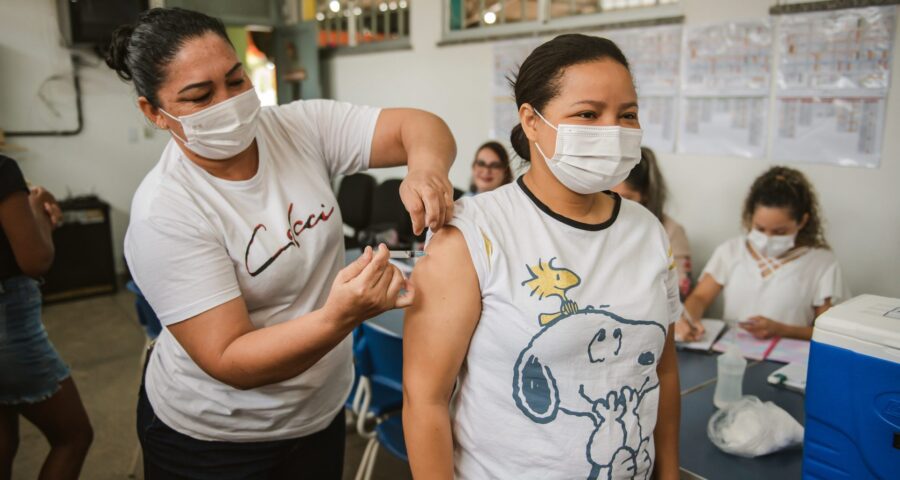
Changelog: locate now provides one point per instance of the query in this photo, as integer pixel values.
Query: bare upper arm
(440, 323)
(32, 253)
(206, 336)
(387, 142)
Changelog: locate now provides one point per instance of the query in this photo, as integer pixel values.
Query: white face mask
(771, 247)
(222, 130)
(591, 159)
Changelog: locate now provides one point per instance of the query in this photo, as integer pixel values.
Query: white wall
(862, 207)
(111, 155)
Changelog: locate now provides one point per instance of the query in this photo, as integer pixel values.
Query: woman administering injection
(249, 376)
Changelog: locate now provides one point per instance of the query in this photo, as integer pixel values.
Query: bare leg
(9, 439)
(63, 420)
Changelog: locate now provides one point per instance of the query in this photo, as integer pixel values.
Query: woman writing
(557, 320)
(235, 240)
(780, 275)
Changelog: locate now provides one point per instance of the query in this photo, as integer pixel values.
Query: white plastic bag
(750, 428)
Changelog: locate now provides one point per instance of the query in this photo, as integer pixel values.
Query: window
(352, 23)
(468, 20)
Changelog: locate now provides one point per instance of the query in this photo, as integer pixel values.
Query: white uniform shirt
(196, 241)
(560, 376)
(786, 295)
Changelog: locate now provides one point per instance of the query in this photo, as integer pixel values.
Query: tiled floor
(101, 340)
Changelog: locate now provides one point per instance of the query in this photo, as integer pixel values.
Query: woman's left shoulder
(635, 216)
(821, 256)
(634, 211)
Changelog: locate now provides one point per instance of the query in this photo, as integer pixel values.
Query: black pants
(169, 454)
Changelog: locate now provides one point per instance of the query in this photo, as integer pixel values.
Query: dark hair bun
(118, 51)
(519, 142)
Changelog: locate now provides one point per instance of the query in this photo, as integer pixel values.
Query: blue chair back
(384, 357)
(145, 313)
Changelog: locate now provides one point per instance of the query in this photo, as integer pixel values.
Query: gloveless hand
(428, 197)
(44, 202)
(761, 327)
(368, 287)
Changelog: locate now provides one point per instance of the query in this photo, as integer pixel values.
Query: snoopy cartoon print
(595, 365)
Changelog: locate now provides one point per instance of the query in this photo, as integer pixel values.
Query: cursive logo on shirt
(295, 228)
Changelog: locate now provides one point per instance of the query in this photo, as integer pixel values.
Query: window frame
(543, 25)
(402, 42)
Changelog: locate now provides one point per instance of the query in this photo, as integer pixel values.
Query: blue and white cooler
(853, 392)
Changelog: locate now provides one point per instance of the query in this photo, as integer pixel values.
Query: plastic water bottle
(729, 385)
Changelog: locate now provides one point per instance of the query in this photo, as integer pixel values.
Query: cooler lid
(869, 318)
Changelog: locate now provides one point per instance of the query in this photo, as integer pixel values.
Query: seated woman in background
(778, 277)
(645, 185)
(490, 169)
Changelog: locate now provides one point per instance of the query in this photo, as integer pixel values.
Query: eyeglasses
(490, 166)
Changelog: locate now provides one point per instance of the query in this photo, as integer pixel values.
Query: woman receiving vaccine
(780, 275)
(551, 299)
(235, 240)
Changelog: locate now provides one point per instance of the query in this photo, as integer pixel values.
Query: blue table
(695, 369)
(700, 457)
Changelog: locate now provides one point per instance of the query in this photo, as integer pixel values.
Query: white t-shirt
(786, 295)
(560, 376)
(196, 241)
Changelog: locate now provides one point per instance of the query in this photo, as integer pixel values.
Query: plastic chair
(373, 396)
(380, 396)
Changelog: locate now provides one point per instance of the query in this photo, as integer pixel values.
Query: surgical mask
(222, 130)
(590, 159)
(771, 247)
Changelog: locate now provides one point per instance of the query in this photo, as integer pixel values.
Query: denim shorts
(30, 368)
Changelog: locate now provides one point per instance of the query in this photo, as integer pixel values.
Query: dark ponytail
(118, 50)
(141, 51)
(538, 79)
(646, 178)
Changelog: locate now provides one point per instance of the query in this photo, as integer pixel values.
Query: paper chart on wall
(845, 131)
(723, 125)
(654, 55)
(831, 87)
(725, 87)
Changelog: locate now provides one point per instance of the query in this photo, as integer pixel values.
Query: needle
(407, 253)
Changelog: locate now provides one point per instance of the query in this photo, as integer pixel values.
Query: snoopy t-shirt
(560, 378)
(276, 240)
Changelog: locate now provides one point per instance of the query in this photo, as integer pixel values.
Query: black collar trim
(591, 227)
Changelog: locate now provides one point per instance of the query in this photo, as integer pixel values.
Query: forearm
(694, 308)
(280, 352)
(428, 142)
(791, 331)
(429, 441)
(665, 435)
